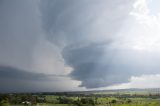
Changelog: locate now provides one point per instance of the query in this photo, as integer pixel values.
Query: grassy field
(108, 101)
(94, 98)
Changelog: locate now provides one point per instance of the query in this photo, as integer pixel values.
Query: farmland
(149, 97)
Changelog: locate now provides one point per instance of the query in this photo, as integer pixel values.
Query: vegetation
(95, 98)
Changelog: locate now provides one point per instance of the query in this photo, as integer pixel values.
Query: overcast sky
(69, 45)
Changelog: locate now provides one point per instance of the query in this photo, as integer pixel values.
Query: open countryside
(127, 97)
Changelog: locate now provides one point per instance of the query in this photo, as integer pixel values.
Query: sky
(68, 45)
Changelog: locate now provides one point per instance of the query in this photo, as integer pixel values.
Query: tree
(113, 101)
(129, 101)
(4, 102)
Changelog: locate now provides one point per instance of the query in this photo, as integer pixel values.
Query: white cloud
(141, 31)
(143, 81)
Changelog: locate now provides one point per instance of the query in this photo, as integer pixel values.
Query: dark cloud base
(16, 80)
(91, 67)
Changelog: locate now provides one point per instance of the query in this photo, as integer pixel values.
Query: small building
(26, 103)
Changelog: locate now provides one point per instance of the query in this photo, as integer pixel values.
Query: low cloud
(17, 80)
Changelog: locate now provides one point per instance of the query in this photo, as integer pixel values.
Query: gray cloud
(99, 65)
(67, 22)
(84, 27)
(19, 32)
(17, 80)
(14, 73)
(52, 37)
(94, 66)
(23, 45)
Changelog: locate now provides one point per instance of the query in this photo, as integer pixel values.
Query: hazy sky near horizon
(66, 45)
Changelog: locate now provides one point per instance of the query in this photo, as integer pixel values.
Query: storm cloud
(100, 65)
(86, 29)
(17, 80)
(59, 45)
(13, 73)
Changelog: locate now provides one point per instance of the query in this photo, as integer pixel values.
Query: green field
(108, 101)
(103, 101)
(88, 98)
